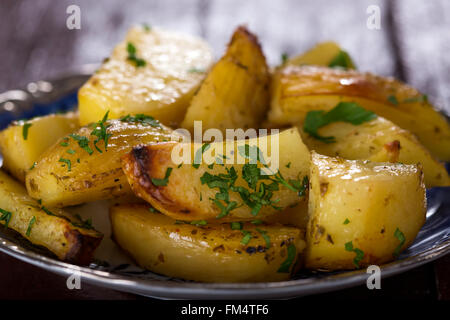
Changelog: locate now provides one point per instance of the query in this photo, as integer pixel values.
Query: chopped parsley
(350, 112)
(70, 151)
(164, 181)
(30, 225)
(34, 165)
(359, 253)
(6, 216)
(256, 222)
(199, 223)
(132, 57)
(199, 154)
(83, 224)
(67, 162)
(64, 144)
(83, 142)
(342, 60)
(286, 265)
(142, 119)
(246, 238)
(346, 221)
(153, 210)
(265, 237)
(236, 225)
(25, 128)
(288, 165)
(147, 27)
(401, 237)
(101, 133)
(284, 58)
(393, 100)
(196, 70)
(422, 99)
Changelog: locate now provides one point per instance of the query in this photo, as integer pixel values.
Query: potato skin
(57, 233)
(20, 154)
(163, 88)
(235, 93)
(298, 90)
(380, 141)
(186, 198)
(94, 177)
(210, 253)
(365, 203)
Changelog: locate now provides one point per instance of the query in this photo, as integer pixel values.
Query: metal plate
(118, 272)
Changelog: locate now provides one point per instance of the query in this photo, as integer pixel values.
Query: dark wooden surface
(412, 44)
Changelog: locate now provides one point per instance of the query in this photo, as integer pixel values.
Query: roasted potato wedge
(326, 54)
(68, 238)
(235, 92)
(208, 253)
(74, 171)
(206, 192)
(153, 72)
(380, 141)
(297, 90)
(361, 212)
(24, 141)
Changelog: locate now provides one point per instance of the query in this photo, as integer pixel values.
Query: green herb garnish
(131, 49)
(199, 154)
(286, 265)
(246, 238)
(265, 237)
(423, 99)
(350, 112)
(101, 133)
(284, 58)
(199, 223)
(70, 151)
(25, 128)
(401, 237)
(196, 70)
(164, 181)
(147, 27)
(34, 165)
(342, 60)
(142, 119)
(6, 216)
(66, 161)
(393, 100)
(236, 226)
(346, 221)
(83, 142)
(359, 253)
(30, 225)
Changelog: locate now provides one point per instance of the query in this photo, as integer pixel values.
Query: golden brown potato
(207, 252)
(298, 90)
(361, 212)
(159, 79)
(68, 238)
(74, 171)
(233, 191)
(380, 141)
(24, 141)
(235, 92)
(327, 54)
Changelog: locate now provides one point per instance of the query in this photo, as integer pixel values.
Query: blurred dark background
(412, 44)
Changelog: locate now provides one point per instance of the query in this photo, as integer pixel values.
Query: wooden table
(412, 44)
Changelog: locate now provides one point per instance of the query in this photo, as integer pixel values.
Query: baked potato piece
(298, 90)
(24, 141)
(380, 141)
(68, 238)
(77, 170)
(361, 212)
(235, 92)
(153, 72)
(235, 190)
(206, 252)
(327, 54)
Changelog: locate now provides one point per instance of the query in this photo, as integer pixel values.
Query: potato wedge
(380, 141)
(68, 238)
(297, 90)
(235, 93)
(323, 54)
(24, 141)
(361, 213)
(92, 175)
(175, 65)
(207, 192)
(208, 253)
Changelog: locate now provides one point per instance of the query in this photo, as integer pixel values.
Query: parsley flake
(30, 225)
(286, 265)
(25, 128)
(6, 216)
(162, 182)
(138, 62)
(401, 237)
